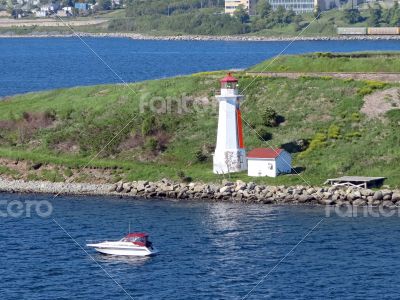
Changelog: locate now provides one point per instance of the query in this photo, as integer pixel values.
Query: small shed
(268, 162)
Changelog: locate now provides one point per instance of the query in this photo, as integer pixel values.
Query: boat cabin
(137, 238)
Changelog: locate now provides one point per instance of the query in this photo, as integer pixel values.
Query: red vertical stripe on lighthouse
(239, 128)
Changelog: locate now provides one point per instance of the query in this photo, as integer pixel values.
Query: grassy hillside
(328, 62)
(172, 128)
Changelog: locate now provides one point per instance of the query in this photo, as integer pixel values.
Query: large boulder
(378, 195)
(359, 202)
(396, 196)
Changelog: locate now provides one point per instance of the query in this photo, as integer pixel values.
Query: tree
(242, 14)
(297, 22)
(283, 16)
(289, 16)
(10, 6)
(375, 15)
(395, 15)
(263, 9)
(352, 16)
(67, 3)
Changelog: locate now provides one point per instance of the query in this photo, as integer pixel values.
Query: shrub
(371, 85)
(148, 125)
(183, 177)
(363, 91)
(200, 156)
(324, 54)
(355, 117)
(269, 117)
(334, 132)
(354, 134)
(318, 141)
(151, 144)
(180, 174)
(187, 179)
(50, 114)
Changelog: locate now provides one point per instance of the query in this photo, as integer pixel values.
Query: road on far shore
(378, 76)
(5, 23)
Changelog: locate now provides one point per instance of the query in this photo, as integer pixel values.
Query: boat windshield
(135, 239)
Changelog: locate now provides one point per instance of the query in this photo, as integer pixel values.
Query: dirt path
(385, 77)
(378, 103)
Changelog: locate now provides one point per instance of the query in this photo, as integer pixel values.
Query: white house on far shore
(268, 162)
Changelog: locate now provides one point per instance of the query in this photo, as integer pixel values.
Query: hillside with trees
(207, 18)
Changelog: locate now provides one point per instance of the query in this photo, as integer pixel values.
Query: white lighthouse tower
(230, 154)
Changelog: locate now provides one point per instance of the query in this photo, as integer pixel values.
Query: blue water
(207, 251)
(30, 64)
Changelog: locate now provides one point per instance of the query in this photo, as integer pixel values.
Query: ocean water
(34, 64)
(207, 251)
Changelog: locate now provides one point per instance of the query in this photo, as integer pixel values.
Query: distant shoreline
(236, 38)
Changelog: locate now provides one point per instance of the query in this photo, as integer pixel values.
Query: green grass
(9, 172)
(333, 62)
(324, 111)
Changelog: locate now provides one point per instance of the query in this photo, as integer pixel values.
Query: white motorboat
(134, 244)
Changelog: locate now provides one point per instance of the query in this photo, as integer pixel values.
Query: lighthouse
(230, 154)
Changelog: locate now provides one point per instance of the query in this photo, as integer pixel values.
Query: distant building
(298, 6)
(81, 6)
(232, 5)
(41, 13)
(47, 9)
(304, 6)
(268, 162)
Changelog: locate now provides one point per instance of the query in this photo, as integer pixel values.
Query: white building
(230, 154)
(232, 5)
(268, 162)
(304, 6)
(41, 13)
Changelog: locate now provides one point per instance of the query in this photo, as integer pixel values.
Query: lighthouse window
(229, 85)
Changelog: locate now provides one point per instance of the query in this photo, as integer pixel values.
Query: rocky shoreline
(238, 191)
(234, 38)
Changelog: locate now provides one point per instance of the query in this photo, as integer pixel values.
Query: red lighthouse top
(228, 78)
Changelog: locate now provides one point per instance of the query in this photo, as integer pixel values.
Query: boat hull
(123, 250)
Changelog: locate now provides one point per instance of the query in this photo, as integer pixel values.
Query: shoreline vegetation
(329, 125)
(232, 38)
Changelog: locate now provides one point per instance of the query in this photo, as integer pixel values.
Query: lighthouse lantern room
(230, 154)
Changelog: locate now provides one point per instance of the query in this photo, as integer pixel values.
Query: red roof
(264, 153)
(137, 234)
(228, 78)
